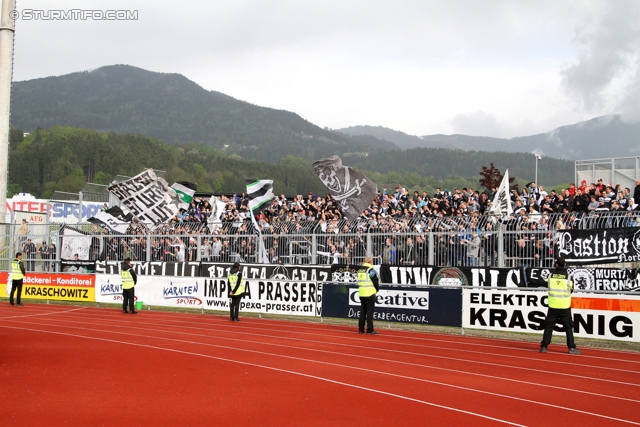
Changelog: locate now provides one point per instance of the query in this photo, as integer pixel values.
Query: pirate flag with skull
(351, 189)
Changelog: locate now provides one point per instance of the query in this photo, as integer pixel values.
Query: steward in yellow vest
(368, 286)
(17, 274)
(129, 280)
(236, 290)
(559, 301)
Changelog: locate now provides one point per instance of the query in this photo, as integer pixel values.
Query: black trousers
(235, 306)
(128, 299)
(16, 287)
(558, 315)
(367, 306)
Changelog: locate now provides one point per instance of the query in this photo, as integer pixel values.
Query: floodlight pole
(7, 29)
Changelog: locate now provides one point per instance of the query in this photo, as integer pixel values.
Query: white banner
(147, 197)
(212, 293)
(611, 317)
(275, 295)
(154, 291)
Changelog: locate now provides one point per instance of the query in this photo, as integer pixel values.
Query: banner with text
(151, 268)
(591, 278)
(64, 287)
(612, 317)
(601, 246)
(408, 304)
(276, 289)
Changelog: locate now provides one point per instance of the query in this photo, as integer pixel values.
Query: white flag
(501, 205)
(147, 197)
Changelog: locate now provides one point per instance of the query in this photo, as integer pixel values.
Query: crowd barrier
(506, 299)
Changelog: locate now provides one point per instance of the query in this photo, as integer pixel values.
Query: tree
(492, 177)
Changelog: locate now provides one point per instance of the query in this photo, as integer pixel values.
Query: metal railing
(45, 247)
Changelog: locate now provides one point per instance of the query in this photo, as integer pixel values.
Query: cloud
(605, 78)
(481, 124)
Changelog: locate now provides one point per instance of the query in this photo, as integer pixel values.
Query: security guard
(236, 290)
(560, 289)
(368, 286)
(129, 280)
(17, 274)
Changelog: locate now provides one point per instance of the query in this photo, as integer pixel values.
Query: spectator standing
(30, 251)
(44, 256)
(205, 251)
(23, 232)
(408, 253)
(52, 256)
(473, 249)
(389, 252)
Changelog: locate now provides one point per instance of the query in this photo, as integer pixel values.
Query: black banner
(303, 273)
(152, 268)
(453, 276)
(72, 266)
(600, 246)
(408, 304)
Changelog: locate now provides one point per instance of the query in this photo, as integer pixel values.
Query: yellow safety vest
(233, 279)
(16, 271)
(127, 279)
(560, 288)
(365, 284)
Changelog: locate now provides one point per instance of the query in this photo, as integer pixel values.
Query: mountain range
(170, 107)
(598, 138)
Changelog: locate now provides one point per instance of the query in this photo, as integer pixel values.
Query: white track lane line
(582, 357)
(401, 335)
(405, 335)
(269, 368)
(41, 314)
(564, 389)
(236, 331)
(277, 355)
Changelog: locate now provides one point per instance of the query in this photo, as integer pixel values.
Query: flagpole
(7, 30)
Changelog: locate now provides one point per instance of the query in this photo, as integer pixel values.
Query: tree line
(65, 158)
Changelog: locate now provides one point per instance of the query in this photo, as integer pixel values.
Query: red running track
(66, 365)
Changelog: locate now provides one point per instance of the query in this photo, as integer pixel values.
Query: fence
(455, 241)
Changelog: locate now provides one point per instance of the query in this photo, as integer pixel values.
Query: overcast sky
(490, 68)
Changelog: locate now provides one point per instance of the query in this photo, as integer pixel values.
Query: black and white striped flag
(260, 194)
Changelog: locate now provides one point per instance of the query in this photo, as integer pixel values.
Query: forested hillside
(443, 163)
(65, 158)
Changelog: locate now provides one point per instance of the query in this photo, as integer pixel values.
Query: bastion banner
(602, 246)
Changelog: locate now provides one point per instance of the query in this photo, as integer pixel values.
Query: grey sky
(494, 68)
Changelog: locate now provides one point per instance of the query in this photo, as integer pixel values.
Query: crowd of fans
(394, 228)
(398, 221)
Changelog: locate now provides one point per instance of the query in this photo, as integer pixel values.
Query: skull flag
(351, 189)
